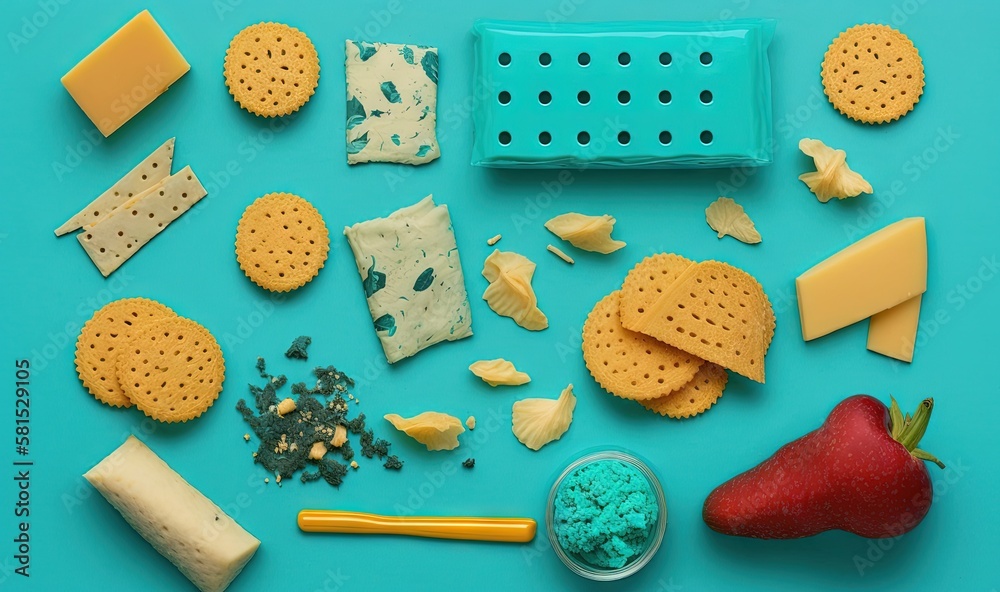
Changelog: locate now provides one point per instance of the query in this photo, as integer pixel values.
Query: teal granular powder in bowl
(606, 515)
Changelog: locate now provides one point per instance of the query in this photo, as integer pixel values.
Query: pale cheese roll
(183, 525)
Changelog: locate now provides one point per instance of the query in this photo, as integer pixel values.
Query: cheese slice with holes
(874, 274)
(183, 525)
(893, 332)
(153, 169)
(114, 239)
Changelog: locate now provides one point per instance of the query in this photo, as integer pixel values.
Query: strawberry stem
(913, 429)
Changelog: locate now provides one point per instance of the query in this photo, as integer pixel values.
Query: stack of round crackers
(668, 336)
(138, 352)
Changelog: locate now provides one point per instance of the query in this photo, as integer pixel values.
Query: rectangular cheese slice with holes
(893, 332)
(114, 239)
(874, 274)
(412, 277)
(125, 73)
(183, 525)
(149, 172)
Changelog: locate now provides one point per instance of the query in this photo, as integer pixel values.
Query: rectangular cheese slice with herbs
(153, 169)
(183, 525)
(114, 239)
(412, 277)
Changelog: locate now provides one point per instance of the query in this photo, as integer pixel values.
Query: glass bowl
(579, 565)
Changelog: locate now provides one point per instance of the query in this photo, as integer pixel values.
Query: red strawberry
(861, 471)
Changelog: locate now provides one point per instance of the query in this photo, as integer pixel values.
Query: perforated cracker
(717, 312)
(102, 339)
(873, 73)
(172, 369)
(628, 364)
(695, 397)
(646, 282)
(271, 69)
(281, 242)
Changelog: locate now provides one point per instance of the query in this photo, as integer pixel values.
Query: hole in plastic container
(504, 97)
(624, 138)
(583, 138)
(504, 138)
(624, 59)
(706, 137)
(665, 97)
(545, 138)
(583, 97)
(504, 59)
(666, 138)
(583, 59)
(624, 97)
(706, 97)
(665, 59)
(545, 97)
(705, 58)
(545, 59)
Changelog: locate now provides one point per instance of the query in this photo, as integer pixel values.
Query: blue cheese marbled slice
(412, 277)
(391, 103)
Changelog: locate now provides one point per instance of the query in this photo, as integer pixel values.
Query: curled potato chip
(590, 233)
(510, 293)
(436, 431)
(499, 372)
(832, 178)
(536, 422)
(725, 216)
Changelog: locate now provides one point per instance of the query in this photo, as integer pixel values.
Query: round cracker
(646, 281)
(103, 338)
(172, 369)
(271, 69)
(281, 242)
(873, 74)
(631, 365)
(693, 398)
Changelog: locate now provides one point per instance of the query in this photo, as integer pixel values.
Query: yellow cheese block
(893, 332)
(125, 73)
(872, 275)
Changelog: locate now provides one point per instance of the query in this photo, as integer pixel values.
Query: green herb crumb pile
(298, 348)
(605, 513)
(315, 431)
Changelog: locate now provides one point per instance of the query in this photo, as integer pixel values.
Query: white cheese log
(183, 525)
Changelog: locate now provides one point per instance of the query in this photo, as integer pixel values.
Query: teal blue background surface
(939, 162)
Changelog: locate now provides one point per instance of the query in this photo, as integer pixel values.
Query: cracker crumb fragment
(354, 464)
(286, 406)
(277, 478)
(339, 436)
(317, 451)
(558, 253)
(494, 240)
(471, 422)
(246, 437)
(266, 480)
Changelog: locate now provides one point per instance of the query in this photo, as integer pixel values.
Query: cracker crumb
(317, 451)
(266, 480)
(471, 422)
(286, 406)
(494, 240)
(339, 436)
(282, 445)
(246, 437)
(277, 479)
(558, 253)
(354, 464)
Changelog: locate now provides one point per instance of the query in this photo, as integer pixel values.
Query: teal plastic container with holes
(628, 94)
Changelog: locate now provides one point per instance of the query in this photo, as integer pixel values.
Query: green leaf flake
(357, 144)
(365, 49)
(407, 54)
(389, 90)
(386, 323)
(355, 113)
(424, 112)
(377, 113)
(425, 280)
(375, 280)
(422, 151)
(395, 139)
(430, 65)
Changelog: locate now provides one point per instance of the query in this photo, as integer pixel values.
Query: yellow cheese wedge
(872, 275)
(893, 332)
(125, 73)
